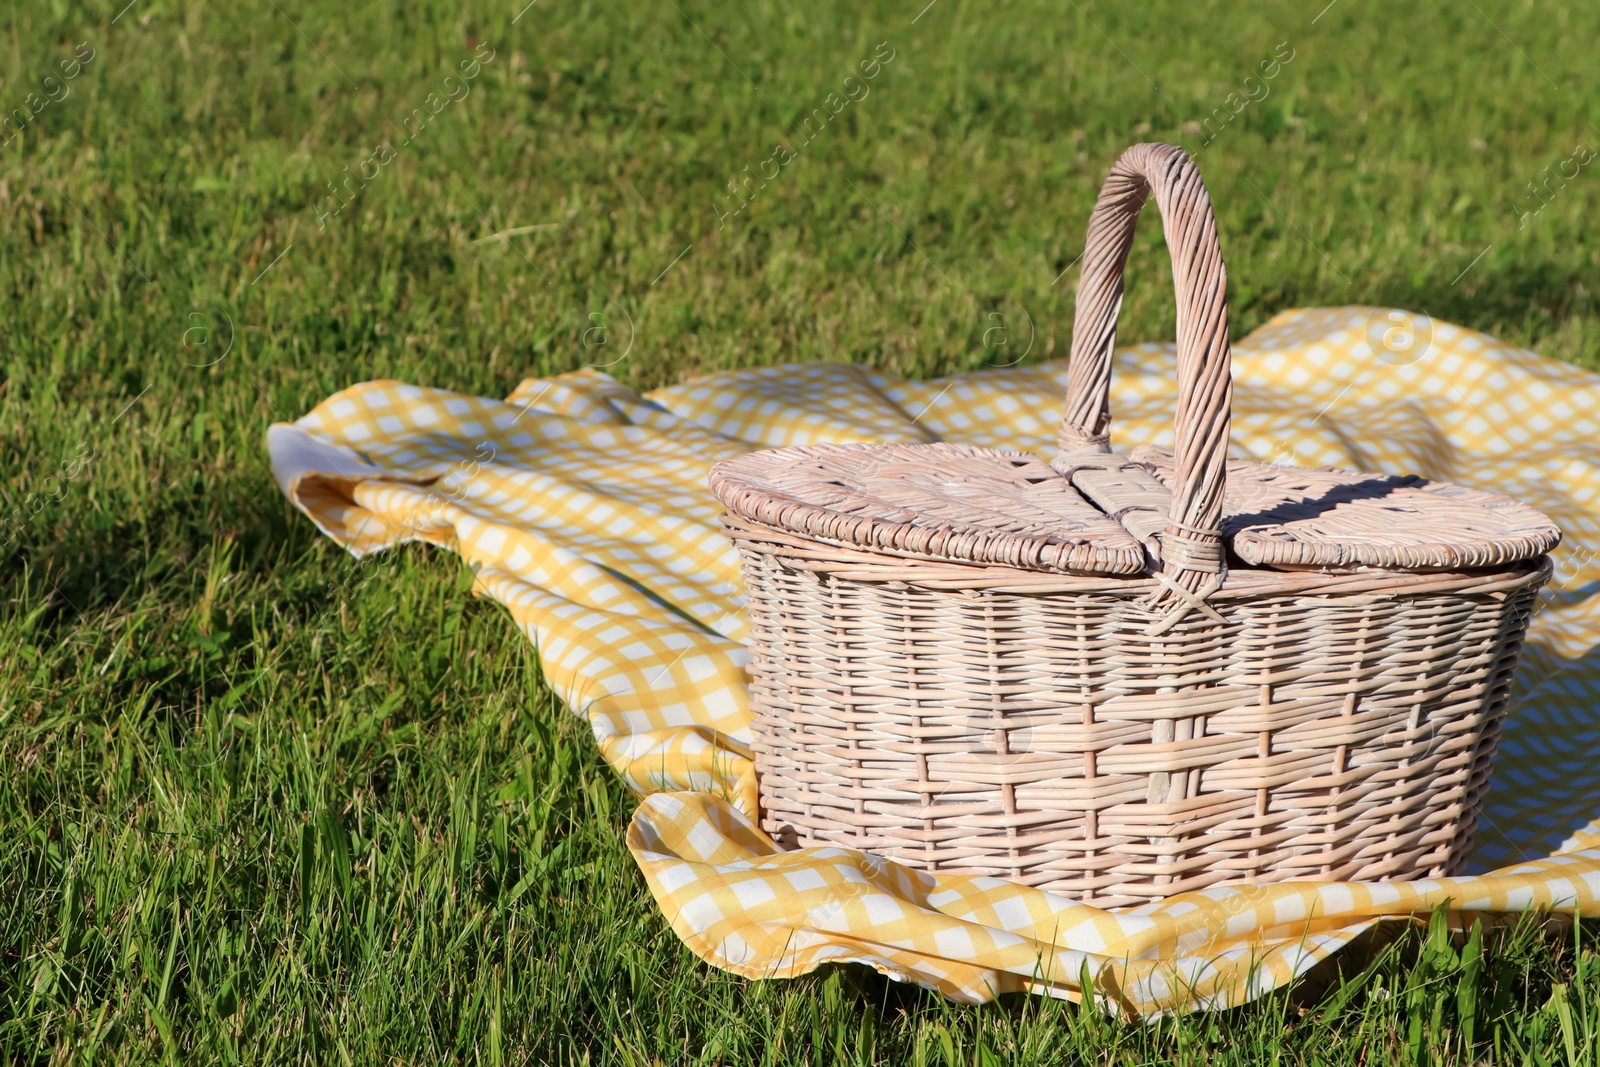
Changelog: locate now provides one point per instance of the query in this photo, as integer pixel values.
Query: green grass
(263, 804)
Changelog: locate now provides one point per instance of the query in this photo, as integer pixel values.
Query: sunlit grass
(262, 803)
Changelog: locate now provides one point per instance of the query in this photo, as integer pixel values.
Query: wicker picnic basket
(1123, 677)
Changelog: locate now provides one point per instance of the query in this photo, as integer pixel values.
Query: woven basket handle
(1192, 547)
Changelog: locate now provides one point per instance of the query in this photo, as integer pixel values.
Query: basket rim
(1242, 583)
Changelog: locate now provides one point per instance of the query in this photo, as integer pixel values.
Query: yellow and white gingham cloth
(582, 507)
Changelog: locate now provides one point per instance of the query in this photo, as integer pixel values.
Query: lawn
(263, 804)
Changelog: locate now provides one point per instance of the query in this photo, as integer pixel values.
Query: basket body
(1027, 726)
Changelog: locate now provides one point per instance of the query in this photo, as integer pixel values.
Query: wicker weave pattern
(1123, 738)
(1037, 734)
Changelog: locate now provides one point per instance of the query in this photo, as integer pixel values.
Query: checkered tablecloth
(582, 507)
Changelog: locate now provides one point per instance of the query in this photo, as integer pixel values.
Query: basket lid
(1291, 518)
(1107, 514)
(935, 501)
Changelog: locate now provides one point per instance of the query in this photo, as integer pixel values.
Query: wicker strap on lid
(1193, 564)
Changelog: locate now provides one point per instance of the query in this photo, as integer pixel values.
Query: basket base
(1126, 880)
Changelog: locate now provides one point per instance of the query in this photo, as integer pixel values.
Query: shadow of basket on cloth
(1126, 677)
